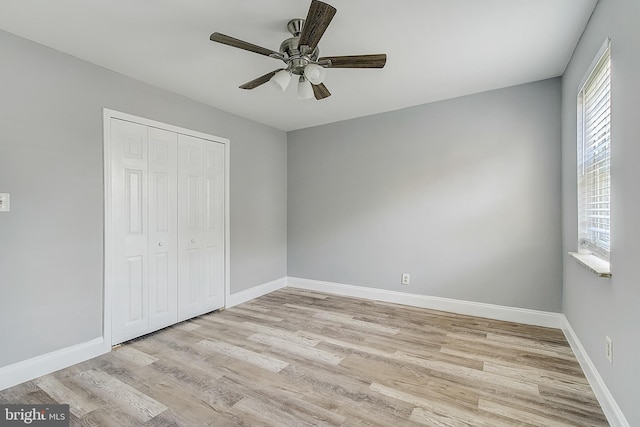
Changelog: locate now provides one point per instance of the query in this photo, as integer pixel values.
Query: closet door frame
(108, 248)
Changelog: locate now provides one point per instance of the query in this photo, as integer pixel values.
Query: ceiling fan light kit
(305, 91)
(300, 53)
(281, 79)
(315, 73)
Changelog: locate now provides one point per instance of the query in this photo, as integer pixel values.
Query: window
(594, 152)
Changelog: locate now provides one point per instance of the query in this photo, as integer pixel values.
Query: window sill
(599, 266)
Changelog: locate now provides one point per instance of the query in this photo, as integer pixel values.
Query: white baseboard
(47, 363)
(255, 292)
(490, 311)
(609, 406)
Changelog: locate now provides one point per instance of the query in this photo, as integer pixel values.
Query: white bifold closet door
(168, 228)
(201, 224)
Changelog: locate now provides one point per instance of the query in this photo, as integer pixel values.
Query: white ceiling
(437, 49)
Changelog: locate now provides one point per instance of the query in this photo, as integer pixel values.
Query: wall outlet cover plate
(4, 202)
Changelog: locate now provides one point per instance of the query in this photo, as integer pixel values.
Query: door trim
(107, 296)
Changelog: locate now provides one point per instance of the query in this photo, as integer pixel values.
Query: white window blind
(594, 152)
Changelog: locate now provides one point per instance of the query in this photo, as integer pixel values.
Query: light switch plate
(4, 202)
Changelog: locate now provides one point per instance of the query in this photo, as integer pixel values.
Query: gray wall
(51, 273)
(462, 194)
(599, 307)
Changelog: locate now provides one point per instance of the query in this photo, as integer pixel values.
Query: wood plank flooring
(299, 358)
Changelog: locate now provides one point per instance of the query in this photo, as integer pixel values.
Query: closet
(167, 226)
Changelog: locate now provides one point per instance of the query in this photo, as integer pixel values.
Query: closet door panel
(213, 233)
(130, 228)
(163, 228)
(201, 226)
(190, 221)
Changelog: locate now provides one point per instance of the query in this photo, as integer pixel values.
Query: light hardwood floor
(299, 358)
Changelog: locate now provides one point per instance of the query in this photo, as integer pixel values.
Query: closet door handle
(193, 240)
(160, 243)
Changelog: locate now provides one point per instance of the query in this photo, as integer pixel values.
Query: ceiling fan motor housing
(296, 58)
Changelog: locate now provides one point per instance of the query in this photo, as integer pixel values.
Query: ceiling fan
(301, 55)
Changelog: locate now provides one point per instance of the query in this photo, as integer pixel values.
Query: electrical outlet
(4, 202)
(406, 278)
(609, 349)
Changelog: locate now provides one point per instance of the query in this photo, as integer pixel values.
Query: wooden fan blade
(320, 91)
(318, 19)
(357, 61)
(230, 41)
(260, 80)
